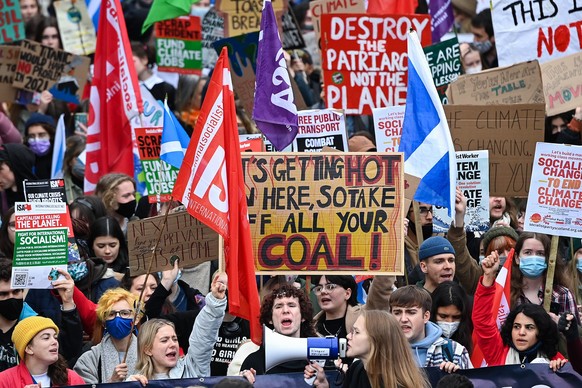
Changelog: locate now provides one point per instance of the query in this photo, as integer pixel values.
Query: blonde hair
(107, 188)
(106, 302)
(390, 362)
(145, 342)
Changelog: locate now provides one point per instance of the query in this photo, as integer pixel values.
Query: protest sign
(11, 26)
(42, 68)
(291, 37)
(444, 60)
(473, 181)
(321, 7)
(546, 29)
(8, 60)
(40, 243)
(179, 45)
(212, 30)
(509, 132)
(388, 127)
(319, 128)
(517, 84)
(562, 83)
(244, 16)
(251, 143)
(192, 241)
(75, 27)
(554, 204)
(365, 59)
(312, 213)
(159, 175)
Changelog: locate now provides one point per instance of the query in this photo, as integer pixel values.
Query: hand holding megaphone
(315, 375)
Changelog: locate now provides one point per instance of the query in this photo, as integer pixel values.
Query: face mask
(484, 46)
(532, 266)
(40, 147)
(449, 328)
(78, 270)
(473, 69)
(579, 265)
(126, 209)
(118, 327)
(78, 169)
(11, 308)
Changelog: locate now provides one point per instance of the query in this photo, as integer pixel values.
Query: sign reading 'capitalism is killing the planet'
(313, 213)
(365, 59)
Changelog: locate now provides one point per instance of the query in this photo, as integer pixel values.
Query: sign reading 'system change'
(313, 213)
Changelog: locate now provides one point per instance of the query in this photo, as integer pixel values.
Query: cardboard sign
(159, 175)
(8, 61)
(192, 241)
(554, 204)
(517, 84)
(388, 127)
(11, 26)
(444, 60)
(179, 45)
(76, 27)
(291, 37)
(562, 83)
(40, 243)
(212, 31)
(545, 30)
(509, 132)
(321, 7)
(244, 16)
(321, 128)
(365, 59)
(326, 212)
(473, 180)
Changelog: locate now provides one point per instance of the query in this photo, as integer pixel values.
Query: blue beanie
(434, 246)
(39, 118)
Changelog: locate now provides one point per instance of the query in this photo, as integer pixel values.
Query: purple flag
(274, 112)
(441, 12)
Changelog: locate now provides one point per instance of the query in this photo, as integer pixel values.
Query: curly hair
(288, 291)
(547, 329)
(107, 188)
(107, 300)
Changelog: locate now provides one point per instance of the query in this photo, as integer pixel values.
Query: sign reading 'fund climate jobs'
(326, 212)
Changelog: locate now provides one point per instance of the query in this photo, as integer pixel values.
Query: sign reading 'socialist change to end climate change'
(313, 213)
(554, 204)
(40, 244)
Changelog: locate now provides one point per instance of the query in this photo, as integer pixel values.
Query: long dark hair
(108, 226)
(6, 246)
(547, 329)
(450, 293)
(58, 373)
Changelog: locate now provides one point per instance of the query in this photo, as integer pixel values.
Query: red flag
(115, 98)
(210, 184)
(394, 7)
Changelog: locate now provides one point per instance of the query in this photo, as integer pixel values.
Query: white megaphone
(280, 348)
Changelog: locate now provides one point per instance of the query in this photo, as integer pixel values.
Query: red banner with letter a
(115, 99)
(210, 184)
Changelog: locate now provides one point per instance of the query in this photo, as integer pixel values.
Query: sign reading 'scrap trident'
(313, 213)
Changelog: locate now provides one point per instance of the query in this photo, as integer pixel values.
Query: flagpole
(417, 224)
(221, 264)
(550, 274)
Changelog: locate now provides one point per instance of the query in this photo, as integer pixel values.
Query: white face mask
(473, 69)
(449, 328)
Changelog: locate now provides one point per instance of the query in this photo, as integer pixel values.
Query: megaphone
(280, 348)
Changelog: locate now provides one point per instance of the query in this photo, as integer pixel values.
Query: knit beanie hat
(39, 118)
(498, 231)
(26, 329)
(433, 246)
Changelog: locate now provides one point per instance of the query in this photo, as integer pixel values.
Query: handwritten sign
(554, 204)
(179, 45)
(388, 127)
(244, 16)
(184, 236)
(312, 213)
(517, 84)
(365, 59)
(76, 27)
(321, 128)
(212, 30)
(321, 7)
(545, 29)
(291, 37)
(562, 83)
(444, 60)
(11, 26)
(508, 132)
(8, 61)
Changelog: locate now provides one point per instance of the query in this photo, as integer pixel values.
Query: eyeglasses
(329, 287)
(122, 313)
(425, 210)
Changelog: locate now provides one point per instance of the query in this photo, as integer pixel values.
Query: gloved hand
(568, 325)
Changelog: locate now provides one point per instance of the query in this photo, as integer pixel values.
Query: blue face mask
(118, 327)
(579, 265)
(532, 266)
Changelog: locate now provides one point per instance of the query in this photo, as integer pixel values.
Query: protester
(48, 34)
(412, 241)
(384, 356)
(484, 38)
(8, 132)
(29, 9)
(16, 165)
(470, 58)
(437, 262)
(107, 242)
(159, 89)
(117, 191)
(337, 298)
(35, 340)
(502, 212)
(574, 269)
(463, 12)
(8, 233)
(39, 135)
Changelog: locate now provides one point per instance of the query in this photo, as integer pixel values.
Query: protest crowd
(381, 193)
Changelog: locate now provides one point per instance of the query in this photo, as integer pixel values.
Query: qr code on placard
(20, 279)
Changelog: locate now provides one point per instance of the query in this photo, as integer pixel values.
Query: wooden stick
(550, 273)
(221, 262)
(417, 226)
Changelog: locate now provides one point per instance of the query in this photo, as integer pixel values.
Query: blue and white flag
(59, 149)
(426, 141)
(93, 7)
(174, 139)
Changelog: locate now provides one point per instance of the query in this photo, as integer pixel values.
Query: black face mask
(11, 308)
(126, 209)
(426, 229)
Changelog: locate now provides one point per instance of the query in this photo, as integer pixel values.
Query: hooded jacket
(434, 349)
